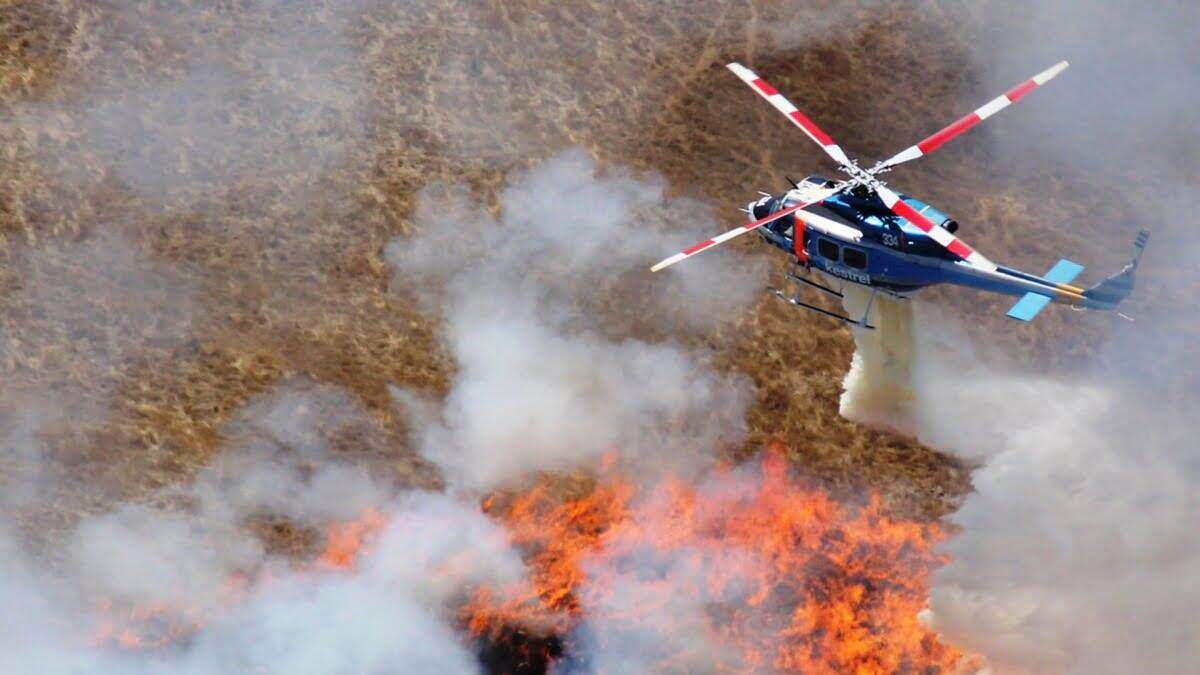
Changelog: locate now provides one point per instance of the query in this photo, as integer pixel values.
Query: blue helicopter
(860, 231)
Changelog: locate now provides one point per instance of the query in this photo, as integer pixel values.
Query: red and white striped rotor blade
(735, 232)
(938, 234)
(980, 114)
(785, 106)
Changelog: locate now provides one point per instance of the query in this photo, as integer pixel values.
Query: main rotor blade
(980, 114)
(765, 90)
(938, 234)
(736, 232)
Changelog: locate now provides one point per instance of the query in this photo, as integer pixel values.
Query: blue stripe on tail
(1031, 303)
(1063, 272)
(1029, 306)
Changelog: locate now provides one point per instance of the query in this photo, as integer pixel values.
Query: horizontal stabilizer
(1064, 271)
(1029, 306)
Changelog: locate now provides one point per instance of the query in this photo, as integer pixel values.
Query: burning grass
(750, 569)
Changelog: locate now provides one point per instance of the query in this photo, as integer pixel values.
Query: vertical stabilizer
(1109, 293)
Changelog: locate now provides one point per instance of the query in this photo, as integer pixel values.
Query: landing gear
(801, 281)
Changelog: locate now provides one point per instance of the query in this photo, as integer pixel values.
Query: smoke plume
(181, 551)
(540, 384)
(1075, 553)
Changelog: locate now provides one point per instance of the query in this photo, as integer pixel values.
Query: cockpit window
(828, 249)
(855, 258)
(818, 182)
(928, 211)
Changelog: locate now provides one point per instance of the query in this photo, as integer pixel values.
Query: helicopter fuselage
(861, 231)
(891, 254)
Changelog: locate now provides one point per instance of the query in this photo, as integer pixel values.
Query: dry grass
(283, 266)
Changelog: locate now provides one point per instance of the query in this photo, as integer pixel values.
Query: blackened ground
(516, 652)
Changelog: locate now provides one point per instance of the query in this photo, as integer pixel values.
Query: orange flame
(344, 541)
(143, 627)
(153, 625)
(839, 587)
(790, 579)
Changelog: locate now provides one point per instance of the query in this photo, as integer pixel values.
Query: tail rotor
(1109, 293)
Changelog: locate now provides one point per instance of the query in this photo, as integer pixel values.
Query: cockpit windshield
(818, 182)
(928, 211)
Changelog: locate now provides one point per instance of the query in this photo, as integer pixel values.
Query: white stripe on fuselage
(830, 227)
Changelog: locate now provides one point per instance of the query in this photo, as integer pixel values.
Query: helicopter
(860, 231)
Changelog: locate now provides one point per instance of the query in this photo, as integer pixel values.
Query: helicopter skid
(861, 323)
(795, 300)
(838, 293)
(821, 287)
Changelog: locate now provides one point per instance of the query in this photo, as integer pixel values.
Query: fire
(155, 625)
(749, 570)
(143, 627)
(786, 578)
(344, 541)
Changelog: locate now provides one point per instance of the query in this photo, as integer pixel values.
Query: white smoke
(109, 298)
(646, 609)
(878, 388)
(182, 548)
(539, 300)
(265, 91)
(278, 458)
(1075, 553)
(540, 385)
(313, 625)
(23, 470)
(81, 313)
(276, 462)
(391, 614)
(674, 609)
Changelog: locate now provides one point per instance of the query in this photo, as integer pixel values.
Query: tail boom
(1059, 276)
(1106, 295)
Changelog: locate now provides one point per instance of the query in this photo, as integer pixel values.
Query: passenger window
(854, 258)
(828, 249)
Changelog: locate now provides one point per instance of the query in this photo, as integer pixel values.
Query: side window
(828, 249)
(786, 224)
(855, 258)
